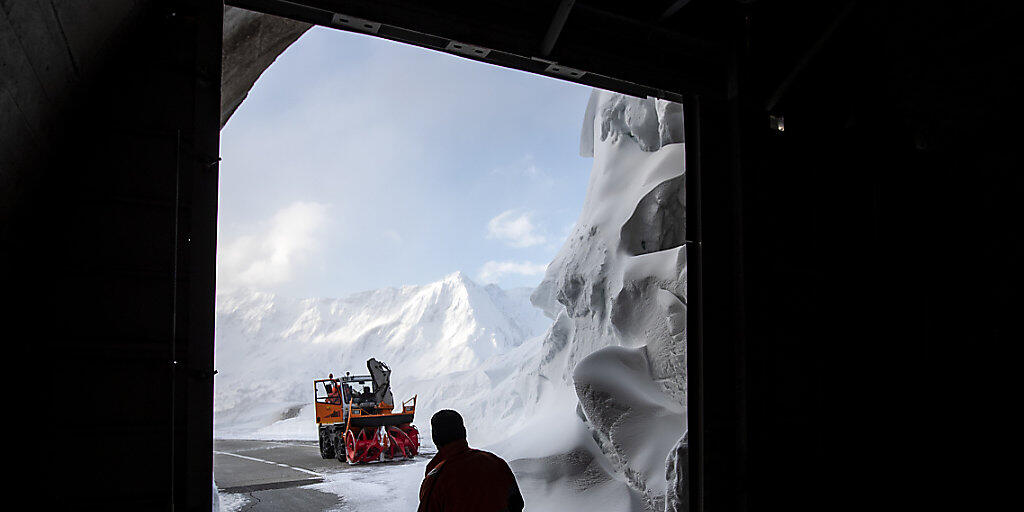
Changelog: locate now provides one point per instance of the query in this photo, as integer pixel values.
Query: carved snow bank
(677, 468)
(634, 421)
(650, 122)
(617, 290)
(576, 480)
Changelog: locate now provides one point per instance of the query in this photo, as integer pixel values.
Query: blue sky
(357, 163)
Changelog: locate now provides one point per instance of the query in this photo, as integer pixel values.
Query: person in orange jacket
(333, 391)
(460, 478)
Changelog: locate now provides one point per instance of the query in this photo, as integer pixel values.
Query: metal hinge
(468, 50)
(354, 23)
(558, 69)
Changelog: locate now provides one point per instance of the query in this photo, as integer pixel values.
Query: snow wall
(617, 294)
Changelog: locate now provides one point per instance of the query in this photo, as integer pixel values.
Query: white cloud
(515, 229)
(525, 168)
(277, 252)
(494, 270)
(534, 172)
(393, 236)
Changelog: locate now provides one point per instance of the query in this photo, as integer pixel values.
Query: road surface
(254, 476)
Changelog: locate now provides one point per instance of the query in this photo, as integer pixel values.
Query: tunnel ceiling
(594, 43)
(660, 48)
(252, 41)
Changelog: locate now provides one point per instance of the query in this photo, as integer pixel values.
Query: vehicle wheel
(326, 446)
(350, 446)
(339, 448)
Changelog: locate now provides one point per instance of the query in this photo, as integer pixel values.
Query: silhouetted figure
(461, 479)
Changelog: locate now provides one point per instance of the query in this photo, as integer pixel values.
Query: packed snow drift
(581, 385)
(617, 294)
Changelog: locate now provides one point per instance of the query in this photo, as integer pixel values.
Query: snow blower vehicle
(356, 417)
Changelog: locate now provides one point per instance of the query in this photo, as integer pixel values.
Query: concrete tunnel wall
(252, 41)
(109, 134)
(48, 51)
(109, 124)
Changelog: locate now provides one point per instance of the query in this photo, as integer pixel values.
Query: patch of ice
(233, 502)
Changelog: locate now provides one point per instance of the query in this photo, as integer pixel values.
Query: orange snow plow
(357, 421)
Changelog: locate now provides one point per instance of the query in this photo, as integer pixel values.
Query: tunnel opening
(551, 378)
(815, 248)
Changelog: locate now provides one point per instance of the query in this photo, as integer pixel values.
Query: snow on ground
(368, 487)
(233, 502)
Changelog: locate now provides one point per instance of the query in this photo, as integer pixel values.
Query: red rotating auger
(369, 444)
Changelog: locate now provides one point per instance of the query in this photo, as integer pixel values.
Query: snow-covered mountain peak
(457, 277)
(269, 347)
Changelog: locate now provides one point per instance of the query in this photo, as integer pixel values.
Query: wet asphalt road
(272, 474)
(279, 475)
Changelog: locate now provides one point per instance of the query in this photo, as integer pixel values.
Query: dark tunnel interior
(849, 272)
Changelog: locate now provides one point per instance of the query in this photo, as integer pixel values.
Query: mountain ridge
(269, 347)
